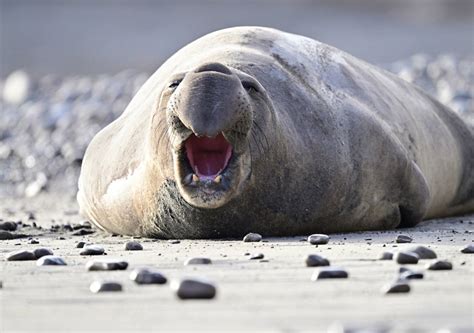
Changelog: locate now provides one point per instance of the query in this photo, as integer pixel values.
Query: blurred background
(68, 68)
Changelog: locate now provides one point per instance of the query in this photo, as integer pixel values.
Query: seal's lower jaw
(207, 171)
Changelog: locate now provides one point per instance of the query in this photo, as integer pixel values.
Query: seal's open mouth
(208, 157)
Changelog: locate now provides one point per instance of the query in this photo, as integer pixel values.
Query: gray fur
(329, 144)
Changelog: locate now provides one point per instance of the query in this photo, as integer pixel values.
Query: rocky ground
(45, 126)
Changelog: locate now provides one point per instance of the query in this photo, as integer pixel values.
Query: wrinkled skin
(321, 142)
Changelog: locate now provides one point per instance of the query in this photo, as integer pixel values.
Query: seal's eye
(174, 84)
(250, 86)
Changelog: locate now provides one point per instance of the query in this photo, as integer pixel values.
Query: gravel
(133, 246)
(58, 116)
(406, 257)
(105, 286)
(198, 261)
(318, 239)
(194, 288)
(330, 273)
(106, 265)
(147, 276)
(20, 255)
(423, 252)
(315, 260)
(50, 260)
(92, 250)
(440, 265)
(252, 237)
(468, 249)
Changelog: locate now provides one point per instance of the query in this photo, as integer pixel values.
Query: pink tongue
(208, 156)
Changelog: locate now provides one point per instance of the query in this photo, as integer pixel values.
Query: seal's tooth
(195, 178)
(218, 179)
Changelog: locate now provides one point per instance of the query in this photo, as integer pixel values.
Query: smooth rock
(20, 255)
(105, 286)
(194, 288)
(147, 276)
(468, 249)
(403, 239)
(5, 235)
(42, 251)
(8, 226)
(315, 260)
(133, 246)
(50, 260)
(174, 241)
(33, 241)
(423, 252)
(408, 274)
(198, 261)
(83, 232)
(252, 237)
(440, 265)
(256, 256)
(386, 256)
(397, 287)
(106, 265)
(406, 257)
(318, 239)
(92, 250)
(330, 273)
(80, 245)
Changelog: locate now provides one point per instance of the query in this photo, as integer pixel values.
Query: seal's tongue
(208, 156)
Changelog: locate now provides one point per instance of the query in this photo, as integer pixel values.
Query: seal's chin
(207, 171)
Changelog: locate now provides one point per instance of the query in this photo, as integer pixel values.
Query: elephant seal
(254, 129)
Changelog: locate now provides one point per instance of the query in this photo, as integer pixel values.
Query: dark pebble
(330, 273)
(33, 241)
(252, 237)
(82, 232)
(8, 226)
(386, 256)
(92, 250)
(80, 244)
(408, 274)
(468, 249)
(133, 246)
(406, 258)
(50, 260)
(194, 289)
(397, 287)
(20, 255)
(256, 256)
(5, 235)
(318, 239)
(174, 241)
(42, 251)
(198, 261)
(315, 260)
(104, 286)
(440, 265)
(147, 276)
(423, 252)
(403, 239)
(106, 265)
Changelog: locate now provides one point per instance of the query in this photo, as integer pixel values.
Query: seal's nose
(213, 67)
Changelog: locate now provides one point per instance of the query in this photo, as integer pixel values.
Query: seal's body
(253, 129)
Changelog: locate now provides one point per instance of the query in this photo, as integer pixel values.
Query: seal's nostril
(213, 67)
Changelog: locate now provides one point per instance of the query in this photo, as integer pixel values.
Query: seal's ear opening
(208, 157)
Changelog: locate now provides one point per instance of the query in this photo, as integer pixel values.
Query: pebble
(397, 287)
(198, 261)
(147, 276)
(133, 246)
(252, 237)
(174, 241)
(106, 265)
(330, 273)
(50, 260)
(4, 235)
(406, 257)
(33, 241)
(17, 87)
(403, 239)
(408, 274)
(20, 255)
(83, 232)
(318, 239)
(440, 265)
(92, 250)
(194, 288)
(8, 226)
(80, 244)
(256, 256)
(315, 260)
(423, 252)
(42, 251)
(468, 249)
(386, 256)
(104, 286)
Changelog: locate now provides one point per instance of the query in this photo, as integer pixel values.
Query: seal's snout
(208, 157)
(213, 67)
